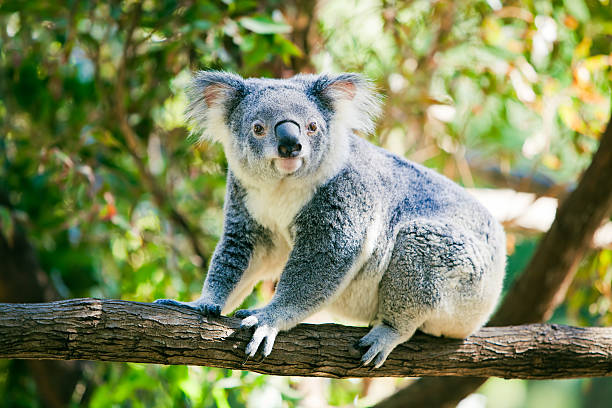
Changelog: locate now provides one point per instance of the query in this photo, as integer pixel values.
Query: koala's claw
(375, 355)
(210, 310)
(379, 342)
(204, 308)
(264, 333)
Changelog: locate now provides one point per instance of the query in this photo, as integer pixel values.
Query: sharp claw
(210, 310)
(245, 360)
(253, 346)
(366, 360)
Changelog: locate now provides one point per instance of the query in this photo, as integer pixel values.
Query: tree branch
(520, 180)
(115, 330)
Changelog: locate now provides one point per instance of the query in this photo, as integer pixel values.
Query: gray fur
(371, 236)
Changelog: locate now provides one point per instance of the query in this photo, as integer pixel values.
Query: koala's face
(274, 129)
(278, 131)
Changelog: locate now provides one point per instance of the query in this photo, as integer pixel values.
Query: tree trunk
(115, 330)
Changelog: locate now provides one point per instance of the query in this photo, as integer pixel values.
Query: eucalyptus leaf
(264, 25)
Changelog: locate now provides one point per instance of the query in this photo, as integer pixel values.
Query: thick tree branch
(543, 284)
(115, 330)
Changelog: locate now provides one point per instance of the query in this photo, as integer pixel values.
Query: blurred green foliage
(97, 167)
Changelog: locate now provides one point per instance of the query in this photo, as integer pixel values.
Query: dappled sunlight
(107, 191)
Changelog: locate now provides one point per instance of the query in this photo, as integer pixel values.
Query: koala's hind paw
(206, 309)
(380, 342)
(265, 333)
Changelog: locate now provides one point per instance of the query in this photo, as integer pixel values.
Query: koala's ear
(211, 94)
(354, 99)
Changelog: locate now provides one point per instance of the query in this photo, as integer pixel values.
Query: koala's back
(404, 191)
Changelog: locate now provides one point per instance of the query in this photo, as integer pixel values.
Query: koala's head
(281, 128)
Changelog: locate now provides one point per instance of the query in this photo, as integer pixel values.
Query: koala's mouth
(288, 165)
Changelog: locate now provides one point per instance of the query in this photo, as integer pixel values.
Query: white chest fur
(275, 206)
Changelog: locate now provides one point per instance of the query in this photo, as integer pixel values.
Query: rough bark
(115, 330)
(543, 284)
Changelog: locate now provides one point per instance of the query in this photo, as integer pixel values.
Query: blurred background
(104, 194)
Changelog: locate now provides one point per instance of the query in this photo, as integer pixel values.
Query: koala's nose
(288, 136)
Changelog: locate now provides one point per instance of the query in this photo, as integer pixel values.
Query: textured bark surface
(543, 284)
(115, 330)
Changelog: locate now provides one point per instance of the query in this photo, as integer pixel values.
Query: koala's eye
(258, 129)
(312, 127)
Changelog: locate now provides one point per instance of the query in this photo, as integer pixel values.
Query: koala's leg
(401, 311)
(440, 279)
(408, 294)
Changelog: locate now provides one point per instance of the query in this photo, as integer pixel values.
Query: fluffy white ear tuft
(354, 99)
(210, 95)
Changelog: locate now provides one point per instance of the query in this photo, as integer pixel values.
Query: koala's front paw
(207, 309)
(242, 313)
(265, 331)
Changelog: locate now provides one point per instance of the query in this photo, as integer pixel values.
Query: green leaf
(264, 25)
(578, 9)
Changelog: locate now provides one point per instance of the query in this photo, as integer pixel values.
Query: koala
(340, 223)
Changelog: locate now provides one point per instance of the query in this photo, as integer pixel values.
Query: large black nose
(288, 136)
